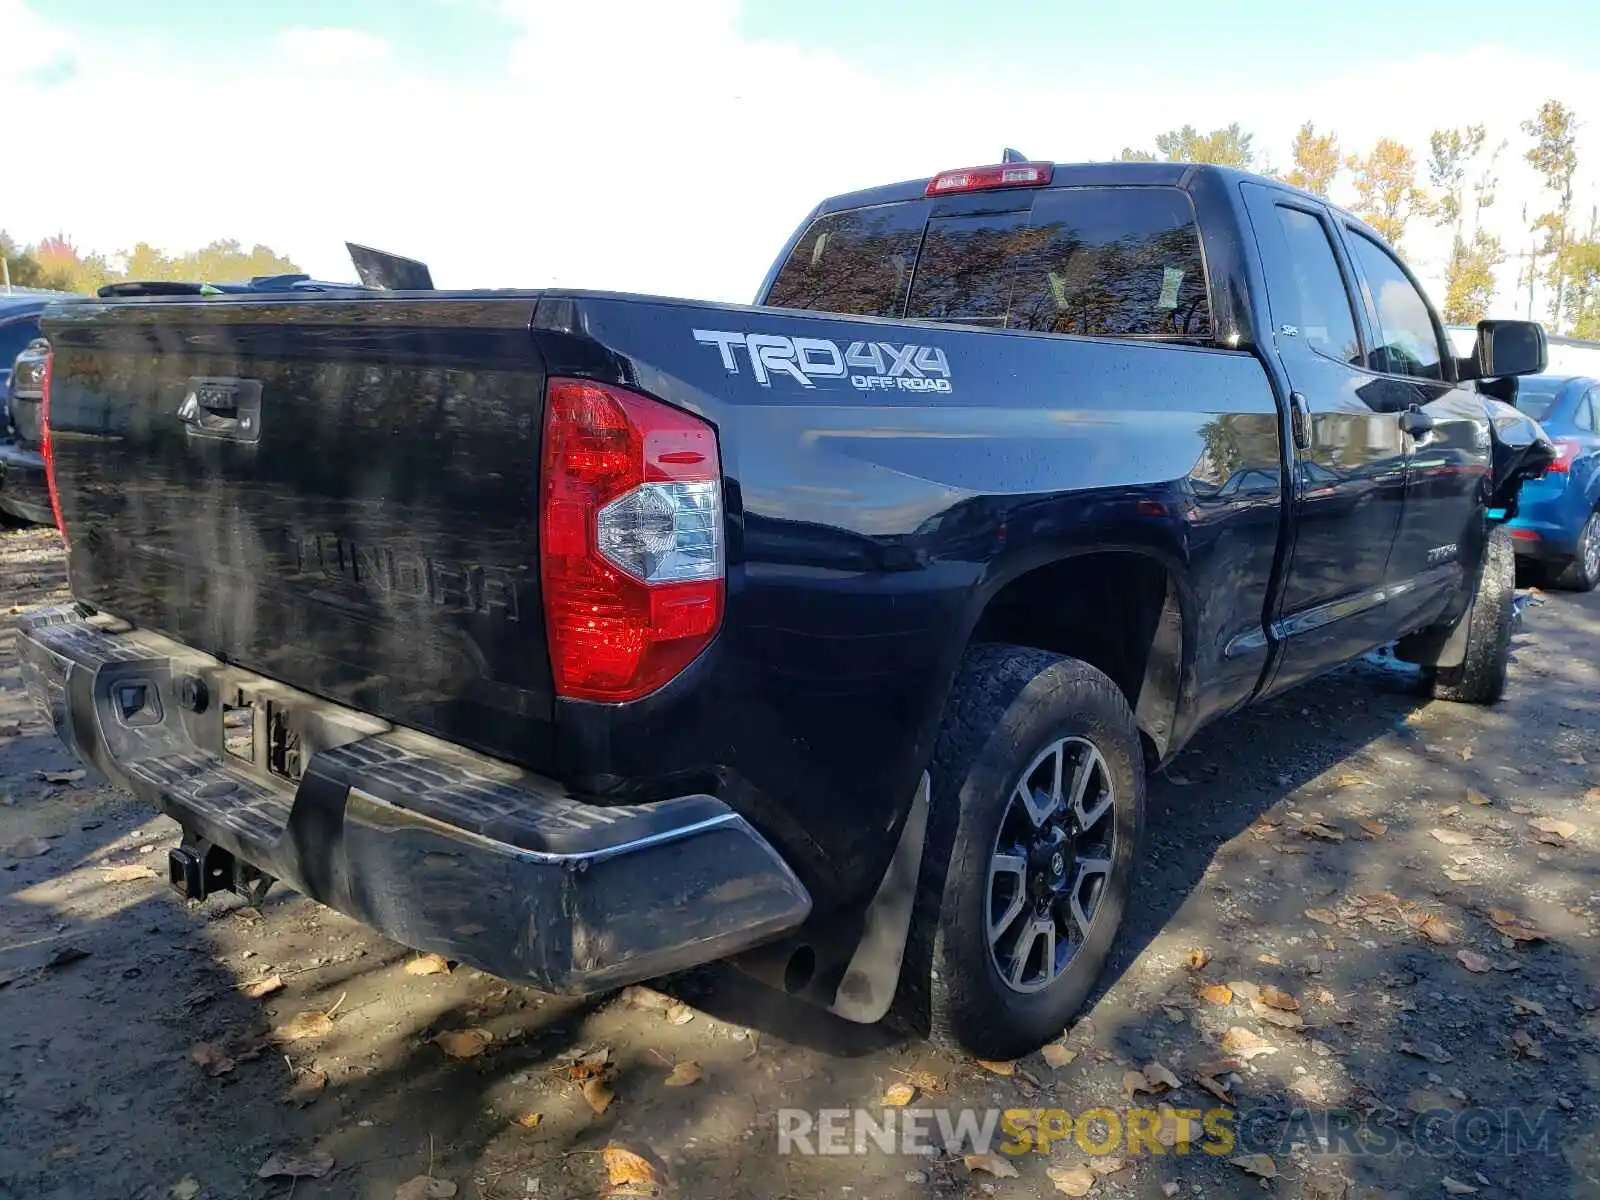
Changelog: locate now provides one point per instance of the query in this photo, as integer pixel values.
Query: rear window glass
(1536, 399)
(1097, 262)
(857, 262)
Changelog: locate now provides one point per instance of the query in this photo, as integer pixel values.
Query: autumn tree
(1469, 274)
(1316, 160)
(56, 263)
(1554, 154)
(1387, 195)
(1581, 270)
(1227, 147)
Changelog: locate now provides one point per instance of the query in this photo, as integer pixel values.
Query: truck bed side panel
(870, 525)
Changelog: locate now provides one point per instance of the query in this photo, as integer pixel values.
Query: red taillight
(1565, 452)
(630, 539)
(46, 450)
(983, 179)
(1525, 535)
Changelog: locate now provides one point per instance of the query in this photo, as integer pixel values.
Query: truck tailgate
(338, 493)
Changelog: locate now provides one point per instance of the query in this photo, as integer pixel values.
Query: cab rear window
(1094, 261)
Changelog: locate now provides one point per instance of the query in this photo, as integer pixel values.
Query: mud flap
(873, 975)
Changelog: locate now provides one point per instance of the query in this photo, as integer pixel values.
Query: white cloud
(333, 47)
(644, 145)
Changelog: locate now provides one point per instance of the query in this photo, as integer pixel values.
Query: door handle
(1414, 421)
(1300, 420)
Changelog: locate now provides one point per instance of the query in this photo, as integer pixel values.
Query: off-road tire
(1008, 704)
(1583, 572)
(1481, 677)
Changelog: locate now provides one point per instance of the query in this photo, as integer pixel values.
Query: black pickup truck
(589, 637)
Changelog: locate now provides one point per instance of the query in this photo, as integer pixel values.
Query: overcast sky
(671, 145)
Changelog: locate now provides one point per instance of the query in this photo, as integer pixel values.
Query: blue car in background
(1557, 527)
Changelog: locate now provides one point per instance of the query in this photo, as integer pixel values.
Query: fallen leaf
(1246, 1045)
(210, 1058)
(28, 848)
(991, 1164)
(1071, 1181)
(686, 1072)
(1431, 1051)
(1056, 1055)
(61, 776)
(1134, 1082)
(307, 1086)
(464, 1043)
(291, 1166)
(1216, 993)
(128, 873)
(628, 1170)
(1197, 959)
(1526, 1045)
(1169, 1188)
(1107, 1165)
(1323, 916)
(528, 1120)
(1348, 780)
(1244, 989)
(1477, 798)
(1214, 1086)
(1160, 1079)
(1474, 962)
(679, 1014)
(186, 1188)
(1279, 999)
(1321, 832)
(1436, 929)
(997, 1068)
(1592, 796)
(1526, 1007)
(1562, 829)
(1455, 1187)
(1551, 839)
(1508, 924)
(1451, 837)
(1466, 753)
(927, 1081)
(304, 1025)
(1374, 828)
(1259, 1165)
(598, 1095)
(1276, 1016)
(263, 987)
(429, 964)
(65, 956)
(899, 1095)
(425, 1187)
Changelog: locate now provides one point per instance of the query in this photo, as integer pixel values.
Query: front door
(1448, 451)
(1349, 473)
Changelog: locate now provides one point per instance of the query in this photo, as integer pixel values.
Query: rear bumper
(436, 847)
(24, 494)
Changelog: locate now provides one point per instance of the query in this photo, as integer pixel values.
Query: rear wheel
(1481, 677)
(1037, 808)
(1583, 572)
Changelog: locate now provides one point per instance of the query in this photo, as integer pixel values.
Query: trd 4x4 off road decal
(870, 366)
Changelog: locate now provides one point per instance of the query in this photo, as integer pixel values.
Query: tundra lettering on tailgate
(870, 366)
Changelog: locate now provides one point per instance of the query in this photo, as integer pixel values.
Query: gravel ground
(1364, 918)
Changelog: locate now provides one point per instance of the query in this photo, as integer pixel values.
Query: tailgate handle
(222, 408)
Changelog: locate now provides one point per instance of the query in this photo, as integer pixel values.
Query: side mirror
(1508, 348)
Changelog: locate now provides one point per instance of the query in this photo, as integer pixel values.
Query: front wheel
(1583, 572)
(1481, 677)
(1037, 809)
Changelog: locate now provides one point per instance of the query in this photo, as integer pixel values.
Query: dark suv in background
(23, 493)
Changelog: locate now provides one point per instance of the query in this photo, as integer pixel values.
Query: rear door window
(1308, 289)
(1095, 262)
(14, 339)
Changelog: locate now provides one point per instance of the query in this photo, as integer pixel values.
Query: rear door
(1349, 462)
(1448, 451)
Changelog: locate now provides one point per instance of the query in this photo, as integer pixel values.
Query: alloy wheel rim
(1051, 864)
(1591, 547)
